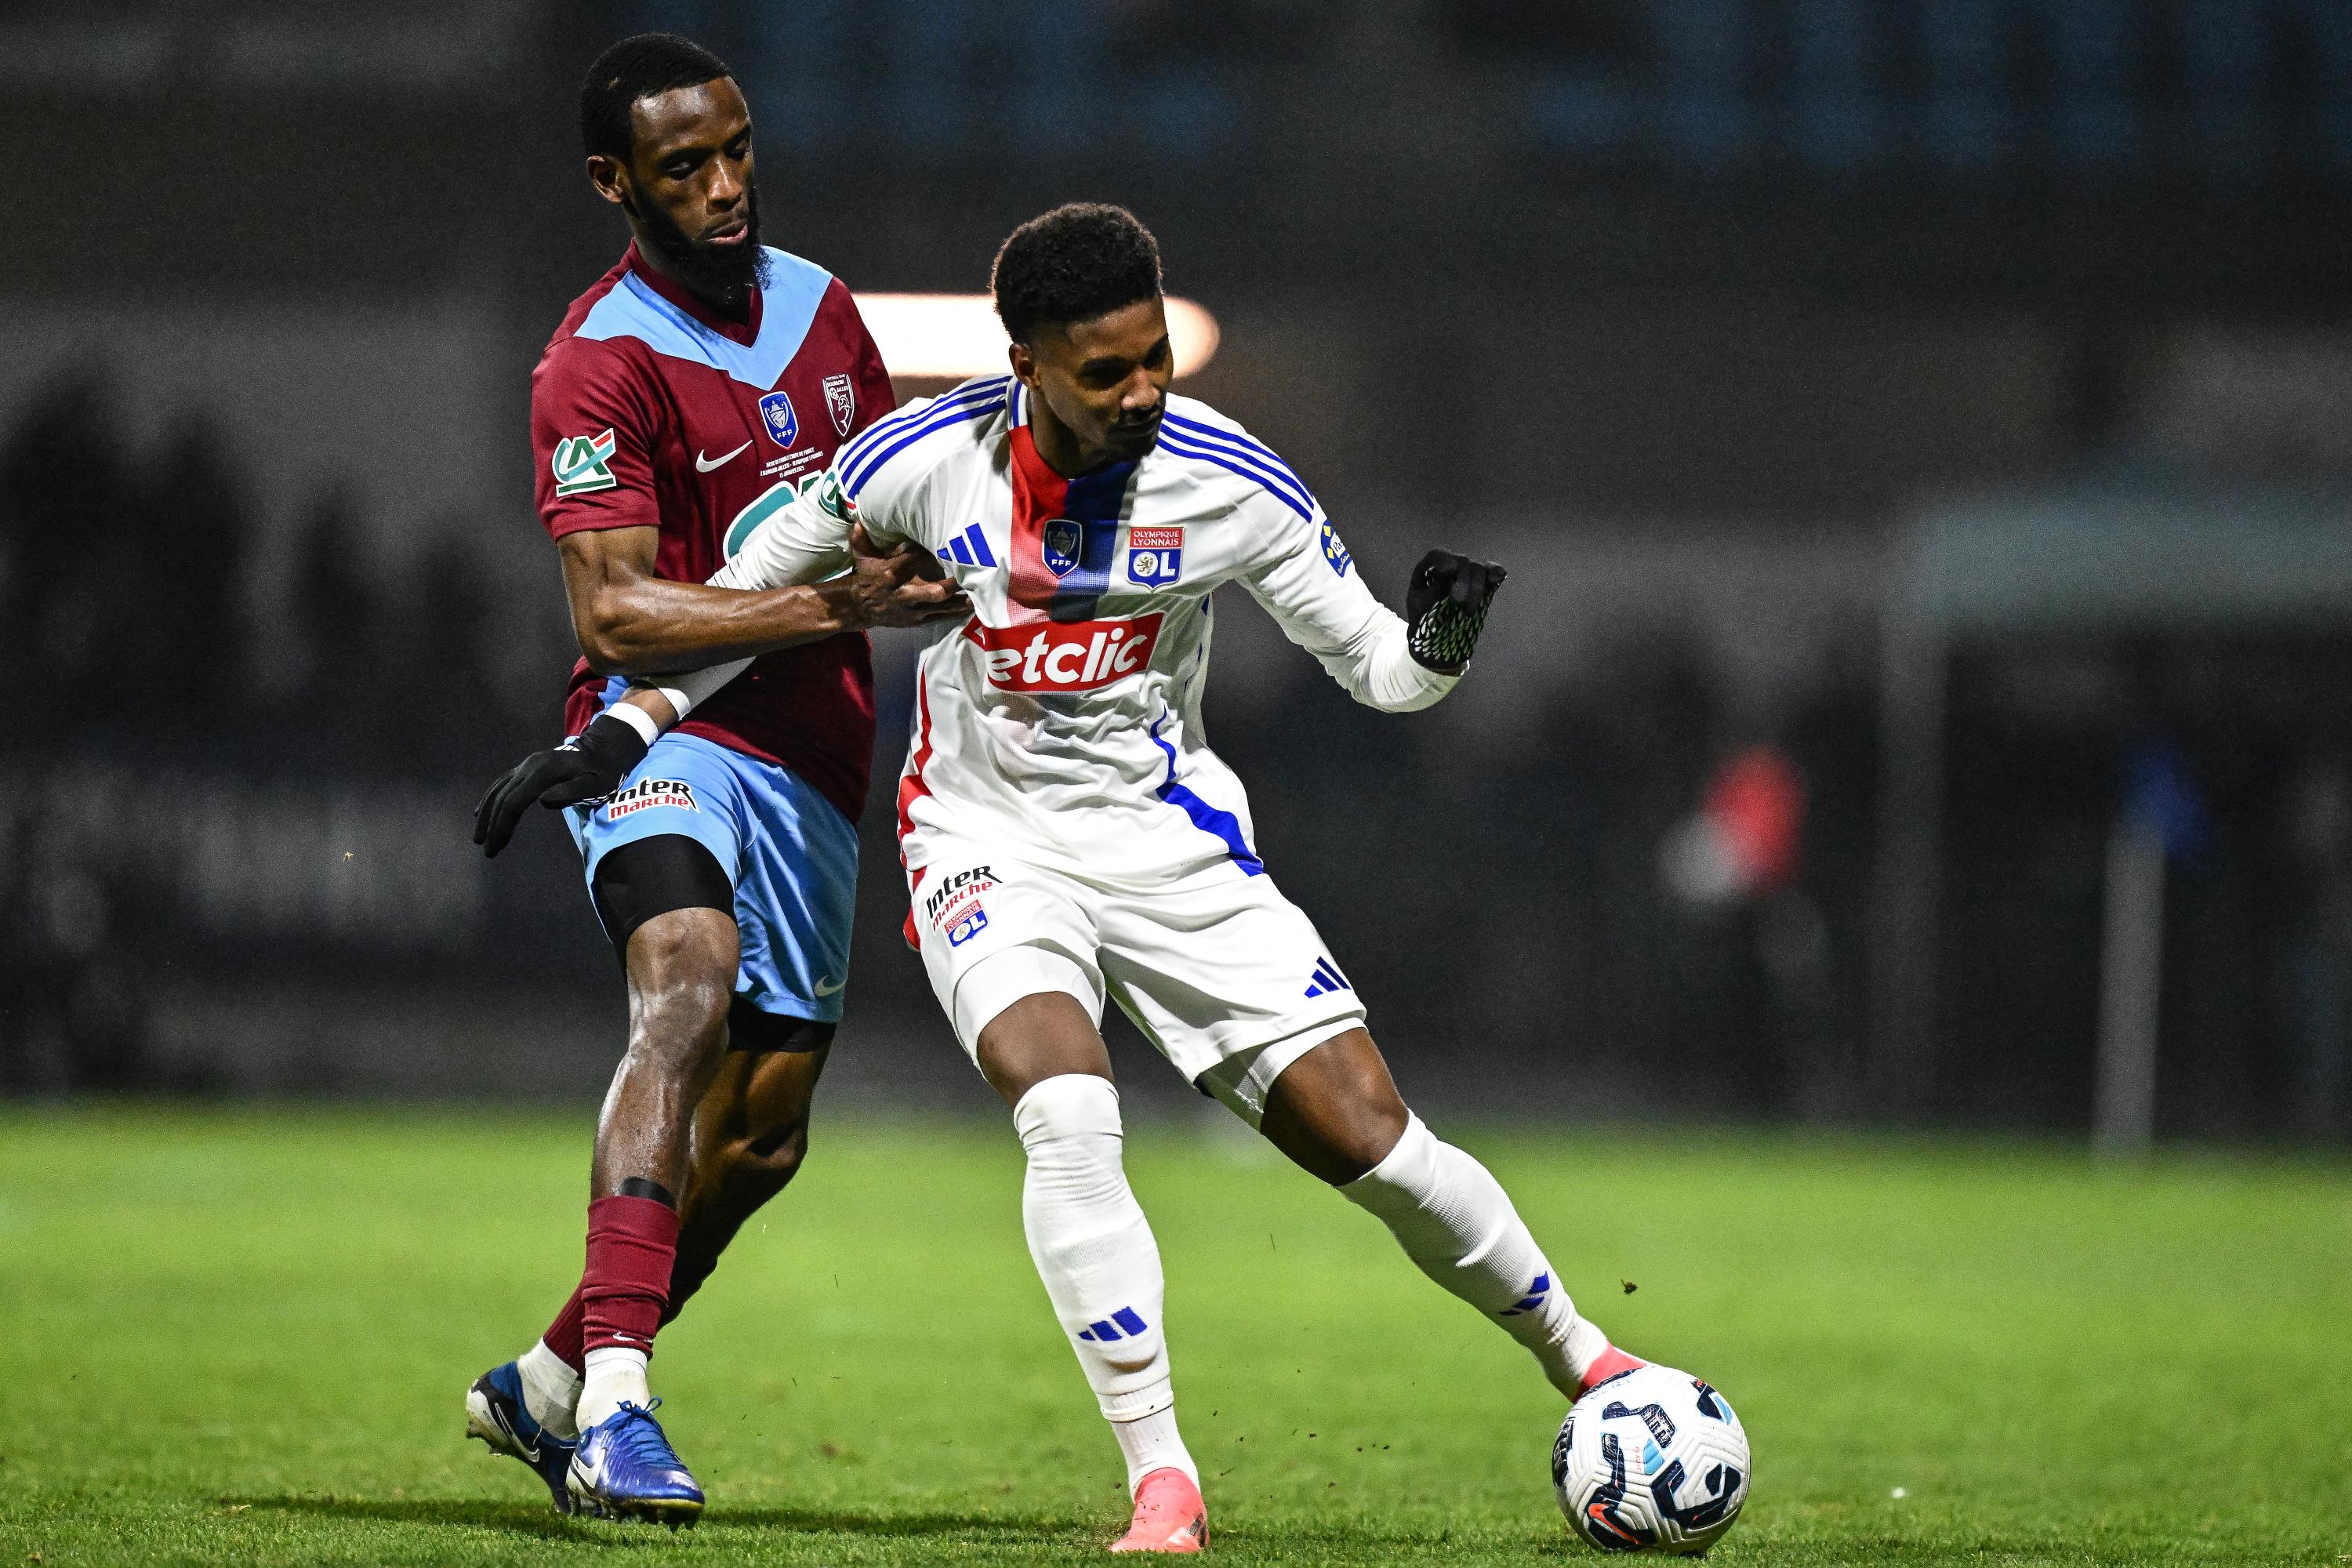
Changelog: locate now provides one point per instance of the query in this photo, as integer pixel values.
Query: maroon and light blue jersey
(648, 412)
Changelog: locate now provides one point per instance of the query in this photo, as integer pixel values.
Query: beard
(720, 276)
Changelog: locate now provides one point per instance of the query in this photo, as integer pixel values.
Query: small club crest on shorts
(1064, 544)
(841, 401)
(776, 414)
(1155, 556)
(954, 906)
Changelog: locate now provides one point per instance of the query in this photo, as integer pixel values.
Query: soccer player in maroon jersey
(686, 396)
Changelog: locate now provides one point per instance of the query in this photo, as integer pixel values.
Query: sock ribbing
(1454, 1221)
(632, 1245)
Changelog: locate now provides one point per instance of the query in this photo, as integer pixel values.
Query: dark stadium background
(1945, 408)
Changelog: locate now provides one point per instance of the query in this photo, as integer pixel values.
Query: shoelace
(638, 1437)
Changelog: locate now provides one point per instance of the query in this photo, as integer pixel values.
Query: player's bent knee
(1045, 1034)
(762, 1161)
(1336, 1111)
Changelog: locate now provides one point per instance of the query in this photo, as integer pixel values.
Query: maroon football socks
(563, 1336)
(632, 1244)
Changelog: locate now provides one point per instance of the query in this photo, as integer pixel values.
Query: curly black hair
(644, 66)
(1081, 261)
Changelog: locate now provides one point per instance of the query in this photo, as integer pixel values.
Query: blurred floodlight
(951, 336)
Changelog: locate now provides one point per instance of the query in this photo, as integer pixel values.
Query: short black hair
(1081, 261)
(644, 66)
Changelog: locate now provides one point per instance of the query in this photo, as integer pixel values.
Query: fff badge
(1064, 544)
(776, 414)
(1155, 556)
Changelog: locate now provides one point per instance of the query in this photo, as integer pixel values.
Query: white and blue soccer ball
(1654, 1460)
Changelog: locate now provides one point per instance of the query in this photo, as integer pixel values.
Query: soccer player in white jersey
(1069, 836)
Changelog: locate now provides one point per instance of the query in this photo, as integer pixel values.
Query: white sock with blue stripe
(1453, 1219)
(1095, 1251)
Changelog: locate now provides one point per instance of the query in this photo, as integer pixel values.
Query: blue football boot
(496, 1413)
(625, 1468)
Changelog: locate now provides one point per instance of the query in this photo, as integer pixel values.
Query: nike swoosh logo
(703, 465)
(824, 990)
(529, 1450)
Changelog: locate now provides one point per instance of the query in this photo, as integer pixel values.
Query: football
(1651, 1460)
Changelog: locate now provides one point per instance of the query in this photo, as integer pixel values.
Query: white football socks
(615, 1373)
(1453, 1219)
(1093, 1250)
(1152, 1443)
(550, 1390)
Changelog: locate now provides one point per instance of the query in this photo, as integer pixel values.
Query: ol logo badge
(1155, 556)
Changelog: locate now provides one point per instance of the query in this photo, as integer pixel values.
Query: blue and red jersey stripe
(1096, 502)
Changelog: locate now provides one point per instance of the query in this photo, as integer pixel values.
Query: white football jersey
(1064, 716)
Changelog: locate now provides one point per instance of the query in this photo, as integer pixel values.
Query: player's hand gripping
(588, 768)
(901, 586)
(1445, 608)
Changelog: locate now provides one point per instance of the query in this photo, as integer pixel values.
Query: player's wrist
(618, 739)
(840, 608)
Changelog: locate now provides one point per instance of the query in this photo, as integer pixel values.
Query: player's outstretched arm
(896, 587)
(817, 536)
(630, 620)
(1397, 664)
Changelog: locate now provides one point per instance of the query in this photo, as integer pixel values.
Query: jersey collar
(746, 332)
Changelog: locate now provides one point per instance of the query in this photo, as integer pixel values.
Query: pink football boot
(1169, 1515)
(1609, 1363)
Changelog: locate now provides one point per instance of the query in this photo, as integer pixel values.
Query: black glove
(1446, 607)
(588, 768)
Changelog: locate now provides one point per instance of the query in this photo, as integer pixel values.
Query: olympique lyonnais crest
(1155, 556)
(776, 414)
(840, 401)
(1065, 544)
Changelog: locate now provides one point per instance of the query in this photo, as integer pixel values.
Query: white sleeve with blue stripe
(797, 539)
(1310, 584)
(804, 537)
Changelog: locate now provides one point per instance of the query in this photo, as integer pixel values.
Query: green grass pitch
(242, 1336)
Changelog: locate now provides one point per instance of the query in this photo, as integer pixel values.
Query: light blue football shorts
(789, 855)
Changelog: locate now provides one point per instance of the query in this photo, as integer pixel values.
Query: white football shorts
(1224, 975)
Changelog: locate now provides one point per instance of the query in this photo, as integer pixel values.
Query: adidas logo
(1534, 1297)
(1107, 1331)
(1326, 978)
(970, 548)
